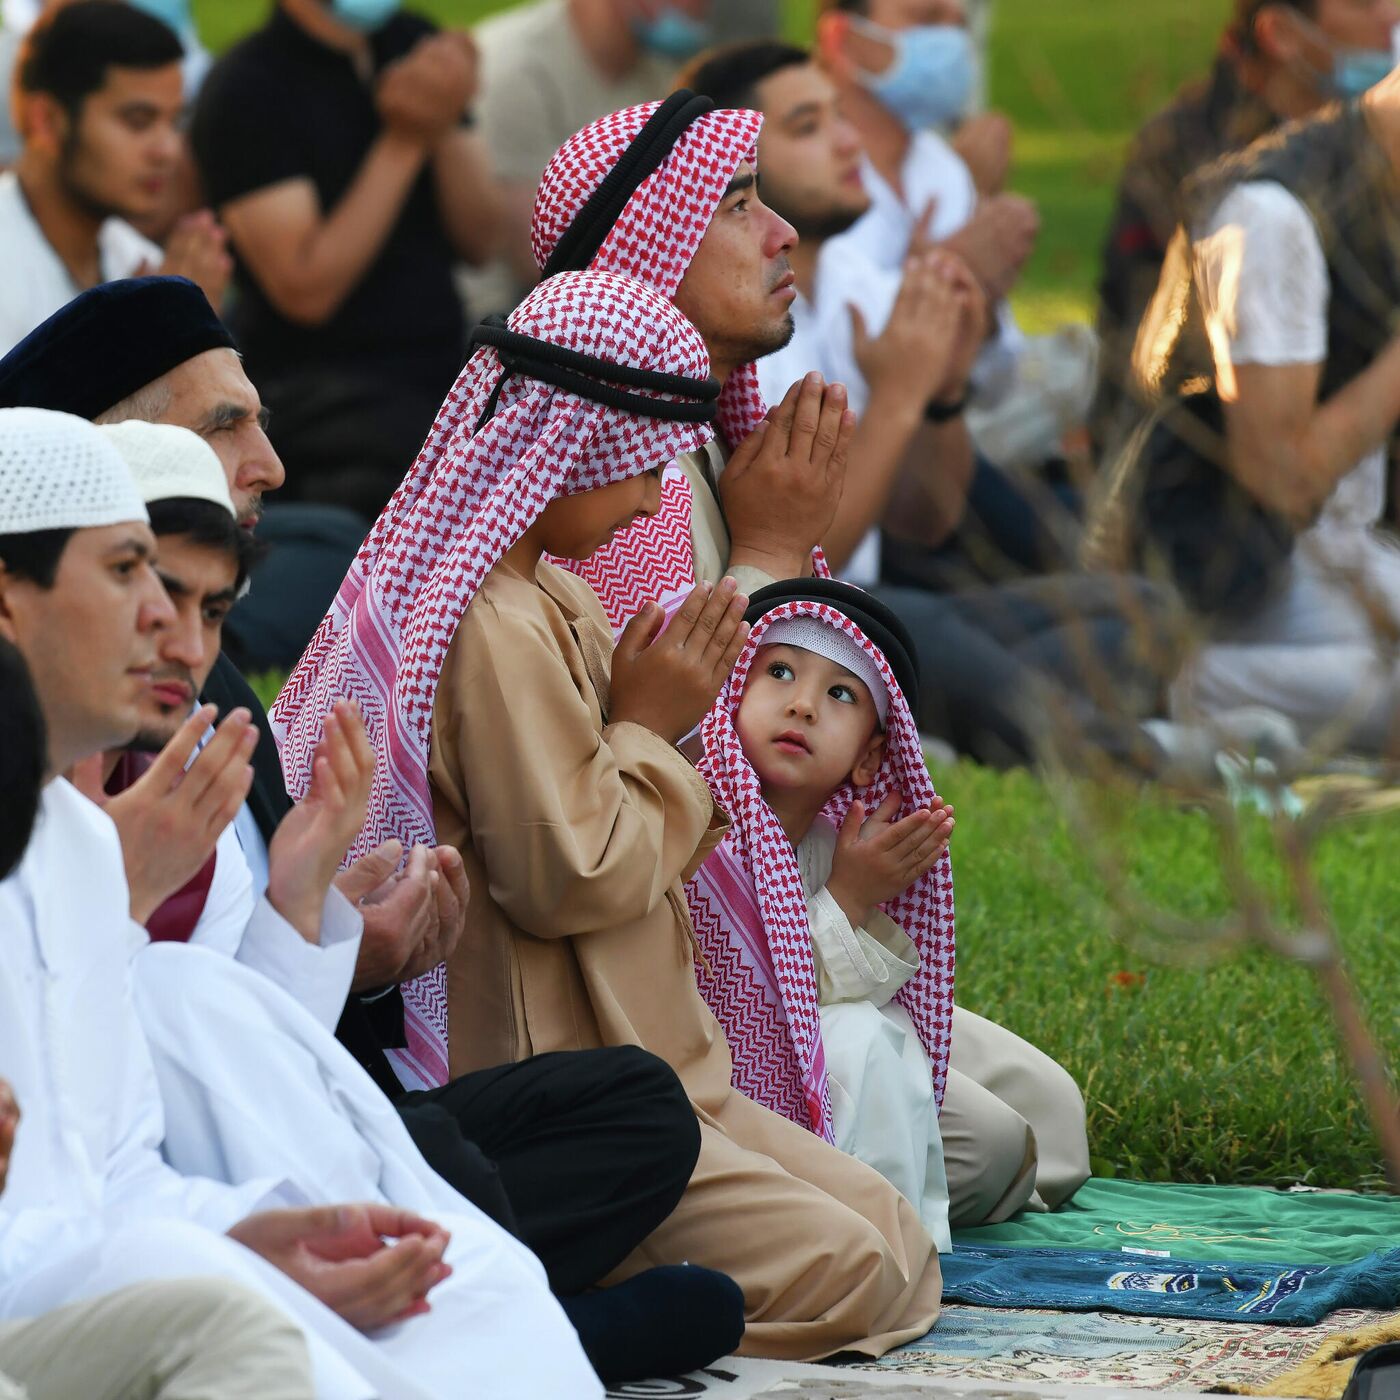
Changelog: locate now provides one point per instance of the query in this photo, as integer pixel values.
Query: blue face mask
(1355, 70)
(671, 33)
(364, 15)
(175, 13)
(931, 79)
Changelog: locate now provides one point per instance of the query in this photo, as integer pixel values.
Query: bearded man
(98, 98)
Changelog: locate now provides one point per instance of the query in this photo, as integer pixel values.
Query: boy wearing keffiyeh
(510, 728)
(825, 918)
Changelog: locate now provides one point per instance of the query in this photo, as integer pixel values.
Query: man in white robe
(85, 623)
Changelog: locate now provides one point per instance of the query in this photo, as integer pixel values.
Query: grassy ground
(1204, 1073)
(1224, 1071)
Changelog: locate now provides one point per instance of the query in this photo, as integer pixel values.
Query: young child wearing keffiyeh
(825, 918)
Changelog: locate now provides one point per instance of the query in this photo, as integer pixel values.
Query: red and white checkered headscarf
(749, 907)
(654, 240)
(470, 495)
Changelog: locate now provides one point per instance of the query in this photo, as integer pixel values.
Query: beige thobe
(1012, 1120)
(576, 835)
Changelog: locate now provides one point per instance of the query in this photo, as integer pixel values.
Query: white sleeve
(1262, 279)
(234, 923)
(850, 964)
(318, 975)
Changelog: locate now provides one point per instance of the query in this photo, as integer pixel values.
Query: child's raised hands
(666, 683)
(880, 856)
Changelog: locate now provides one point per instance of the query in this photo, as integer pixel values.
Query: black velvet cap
(109, 342)
(868, 613)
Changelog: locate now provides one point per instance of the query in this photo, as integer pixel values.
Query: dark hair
(1240, 34)
(207, 524)
(23, 757)
(34, 556)
(729, 76)
(68, 53)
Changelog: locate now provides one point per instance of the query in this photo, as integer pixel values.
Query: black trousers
(580, 1154)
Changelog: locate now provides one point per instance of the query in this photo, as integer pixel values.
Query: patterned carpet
(1108, 1349)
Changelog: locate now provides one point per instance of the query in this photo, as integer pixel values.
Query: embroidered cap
(58, 472)
(170, 463)
(878, 622)
(814, 635)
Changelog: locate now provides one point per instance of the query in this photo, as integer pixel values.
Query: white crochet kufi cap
(169, 462)
(58, 472)
(812, 634)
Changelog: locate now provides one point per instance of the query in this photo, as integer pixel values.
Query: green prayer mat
(1218, 1223)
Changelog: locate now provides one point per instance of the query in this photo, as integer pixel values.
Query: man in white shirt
(98, 97)
(80, 599)
(1288, 265)
(906, 72)
(922, 519)
(208, 1336)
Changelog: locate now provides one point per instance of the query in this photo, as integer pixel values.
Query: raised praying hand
(311, 840)
(170, 818)
(9, 1121)
(414, 917)
(667, 680)
(781, 488)
(341, 1256)
(878, 857)
(198, 249)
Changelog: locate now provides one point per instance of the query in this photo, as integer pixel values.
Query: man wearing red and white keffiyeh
(825, 918)
(667, 193)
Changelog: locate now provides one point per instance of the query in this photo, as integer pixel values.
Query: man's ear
(42, 122)
(867, 765)
(832, 29)
(7, 623)
(1278, 36)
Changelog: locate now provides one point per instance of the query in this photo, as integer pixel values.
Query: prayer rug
(1103, 1280)
(748, 1379)
(1105, 1349)
(1225, 1224)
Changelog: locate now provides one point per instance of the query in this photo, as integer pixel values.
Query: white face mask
(932, 76)
(364, 15)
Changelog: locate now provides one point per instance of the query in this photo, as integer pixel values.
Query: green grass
(1223, 1071)
(1227, 1072)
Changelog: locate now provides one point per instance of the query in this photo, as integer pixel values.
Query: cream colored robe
(577, 835)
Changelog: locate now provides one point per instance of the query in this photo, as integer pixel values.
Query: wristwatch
(945, 412)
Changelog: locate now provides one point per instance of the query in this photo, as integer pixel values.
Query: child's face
(573, 527)
(806, 723)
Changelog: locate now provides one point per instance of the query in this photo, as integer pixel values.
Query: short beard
(781, 336)
(73, 190)
(148, 741)
(819, 228)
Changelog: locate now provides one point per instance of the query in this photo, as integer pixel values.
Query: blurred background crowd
(351, 183)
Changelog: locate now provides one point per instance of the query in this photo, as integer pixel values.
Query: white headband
(169, 463)
(58, 472)
(814, 635)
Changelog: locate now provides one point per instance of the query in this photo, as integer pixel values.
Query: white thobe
(87, 1153)
(239, 923)
(883, 1109)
